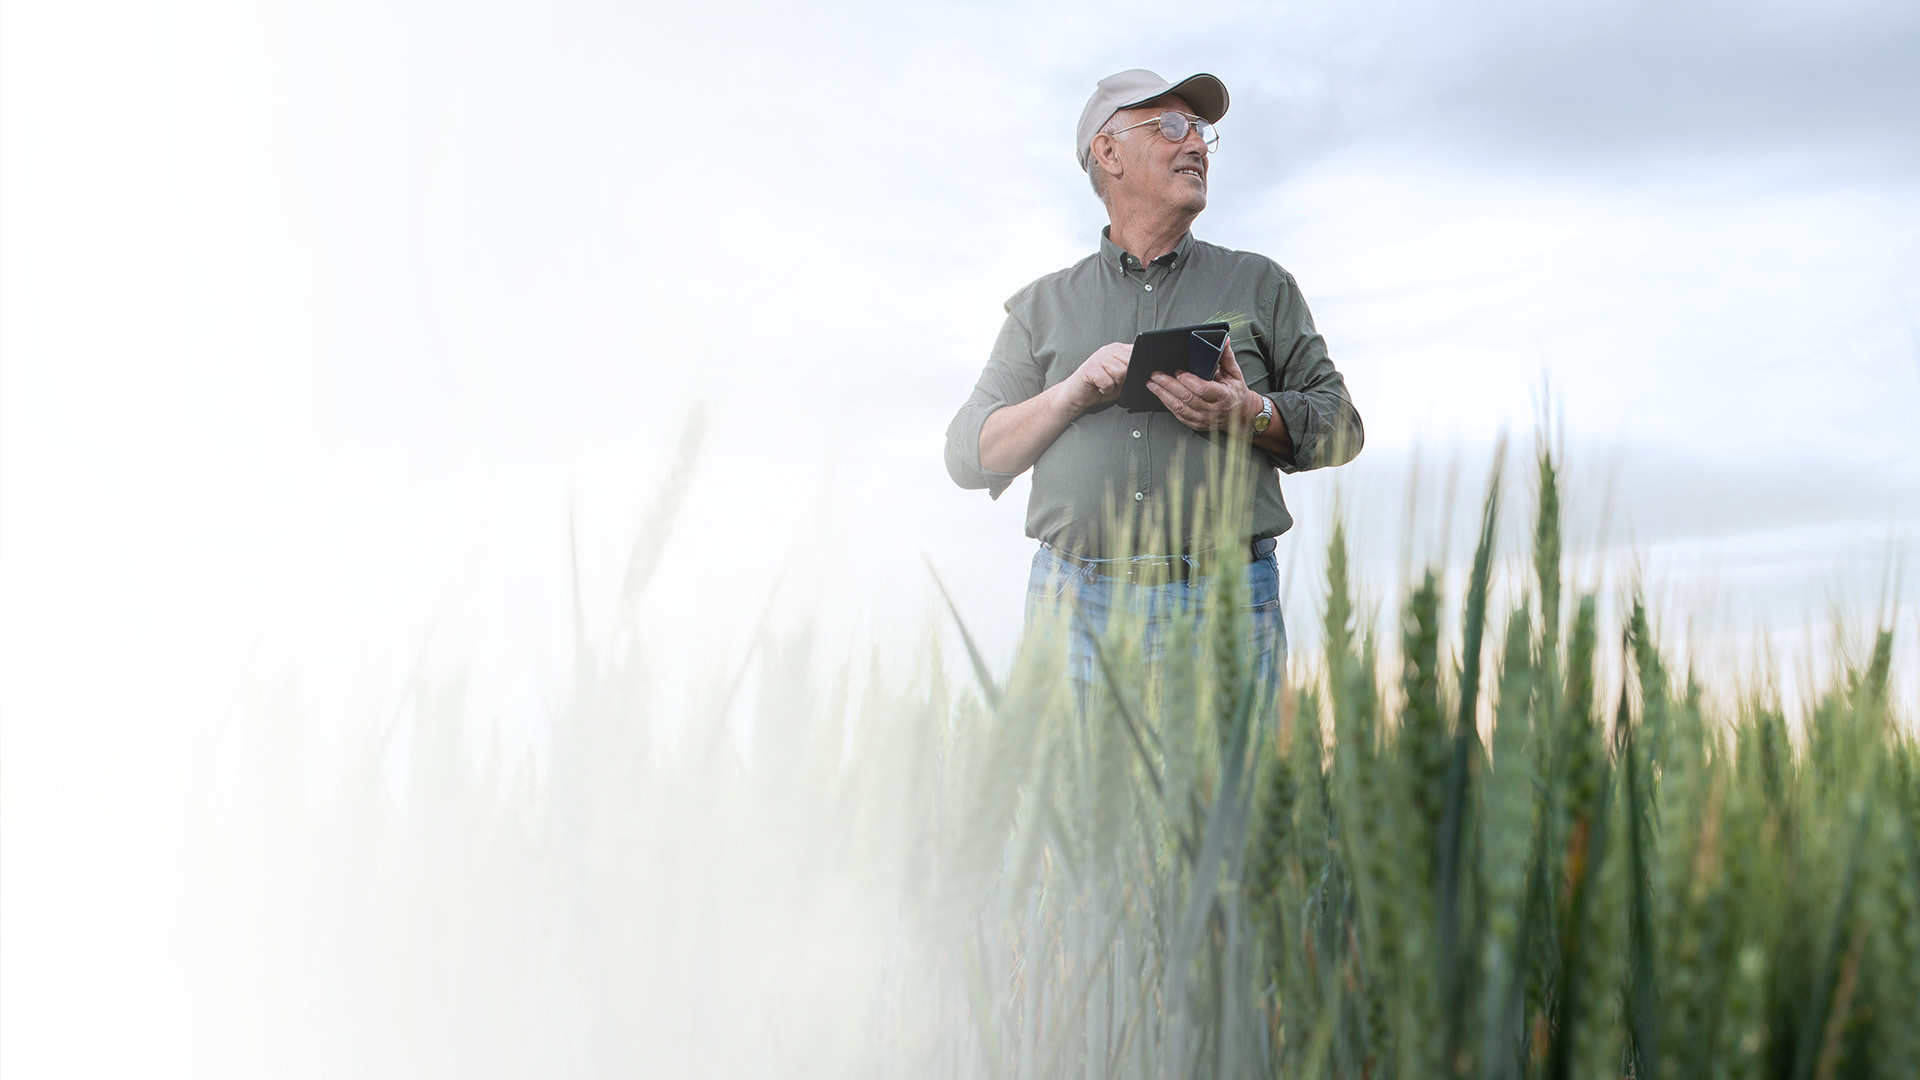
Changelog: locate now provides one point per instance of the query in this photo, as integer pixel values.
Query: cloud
(1596, 87)
(1601, 81)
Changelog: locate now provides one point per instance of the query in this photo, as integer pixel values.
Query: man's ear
(1106, 154)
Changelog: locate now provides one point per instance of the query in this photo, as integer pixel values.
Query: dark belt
(1155, 569)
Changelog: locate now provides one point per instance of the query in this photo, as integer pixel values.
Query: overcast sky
(322, 321)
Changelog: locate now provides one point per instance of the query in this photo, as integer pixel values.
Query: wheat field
(1540, 852)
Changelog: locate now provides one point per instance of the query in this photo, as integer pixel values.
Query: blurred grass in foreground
(1490, 865)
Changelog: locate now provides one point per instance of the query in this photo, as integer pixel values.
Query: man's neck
(1148, 236)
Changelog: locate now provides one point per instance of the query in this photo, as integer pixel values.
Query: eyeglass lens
(1174, 126)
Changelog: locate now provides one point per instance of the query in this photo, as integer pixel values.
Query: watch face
(1265, 418)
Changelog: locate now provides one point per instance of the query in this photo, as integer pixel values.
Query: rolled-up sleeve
(1311, 396)
(1011, 376)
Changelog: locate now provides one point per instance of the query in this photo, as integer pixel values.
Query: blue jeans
(1098, 588)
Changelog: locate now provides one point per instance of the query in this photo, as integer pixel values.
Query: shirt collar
(1113, 255)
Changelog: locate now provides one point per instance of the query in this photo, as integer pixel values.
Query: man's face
(1156, 170)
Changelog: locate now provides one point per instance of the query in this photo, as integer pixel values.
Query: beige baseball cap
(1207, 95)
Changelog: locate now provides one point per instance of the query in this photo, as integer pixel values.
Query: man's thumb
(1228, 365)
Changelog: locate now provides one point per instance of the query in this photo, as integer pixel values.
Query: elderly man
(1114, 490)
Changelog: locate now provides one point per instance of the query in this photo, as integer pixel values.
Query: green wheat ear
(1236, 321)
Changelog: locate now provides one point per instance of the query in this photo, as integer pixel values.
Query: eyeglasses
(1175, 125)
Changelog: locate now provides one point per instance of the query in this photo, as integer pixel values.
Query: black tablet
(1183, 348)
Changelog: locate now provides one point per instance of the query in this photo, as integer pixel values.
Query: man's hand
(1224, 402)
(1098, 379)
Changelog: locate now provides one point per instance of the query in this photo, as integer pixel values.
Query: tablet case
(1182, 348)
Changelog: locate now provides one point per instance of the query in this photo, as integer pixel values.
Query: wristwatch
(1265, 419)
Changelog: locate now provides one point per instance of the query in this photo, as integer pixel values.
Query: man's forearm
(1276, 439)
(1013, 438)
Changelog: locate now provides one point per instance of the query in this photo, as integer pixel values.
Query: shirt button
(1138, 495)
(1136, 434)
(1149, 288)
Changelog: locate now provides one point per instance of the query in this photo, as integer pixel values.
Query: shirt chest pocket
(1249, 351)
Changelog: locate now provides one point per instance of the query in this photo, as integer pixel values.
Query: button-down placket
(1150, 284)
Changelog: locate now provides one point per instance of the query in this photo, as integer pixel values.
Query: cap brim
(1207, 95)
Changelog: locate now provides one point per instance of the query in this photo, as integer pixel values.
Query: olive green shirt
(1140, 465)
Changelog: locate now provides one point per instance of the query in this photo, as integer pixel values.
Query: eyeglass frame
(1193, 125)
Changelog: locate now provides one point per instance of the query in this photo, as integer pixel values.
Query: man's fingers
(1187, 389)
(1198, 403)
(1203, 389)
(1106, 371)
(1170, 393)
